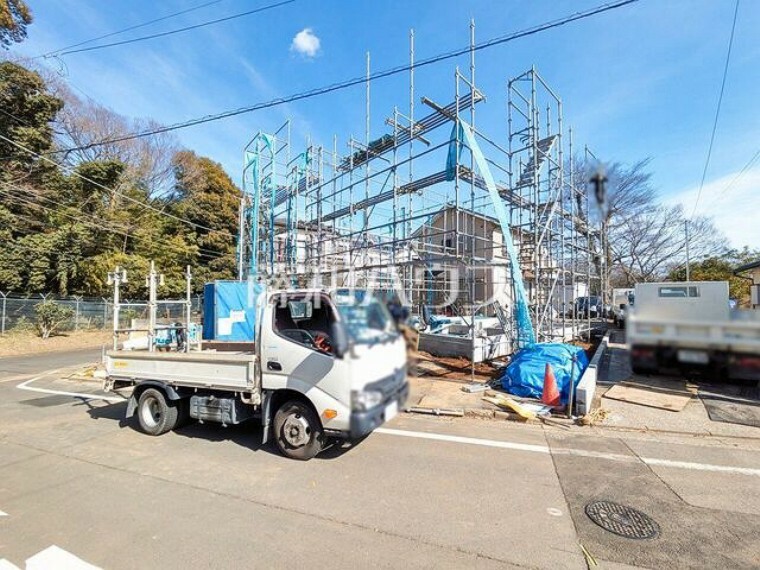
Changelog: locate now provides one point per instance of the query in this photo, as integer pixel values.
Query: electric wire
(746, 168)
(176, 31)
(73, 172)
(135, 236)
(129, 29)
(361, 80)
(717, 110)
(91, 219)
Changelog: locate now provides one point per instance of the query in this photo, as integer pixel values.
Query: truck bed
(733, 335)
(204, 369)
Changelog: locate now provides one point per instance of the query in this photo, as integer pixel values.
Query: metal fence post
(105, 312)
(2, 321)
(76, 314)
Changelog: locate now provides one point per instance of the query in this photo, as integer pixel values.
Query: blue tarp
(525, 374)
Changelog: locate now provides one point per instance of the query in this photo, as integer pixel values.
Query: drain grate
(622, 520)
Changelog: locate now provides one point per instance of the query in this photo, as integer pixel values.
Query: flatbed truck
(323, 366)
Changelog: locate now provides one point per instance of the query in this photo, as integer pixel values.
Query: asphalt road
(423, 492)
(18, 366)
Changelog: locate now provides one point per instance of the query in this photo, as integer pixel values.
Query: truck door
(297, 353)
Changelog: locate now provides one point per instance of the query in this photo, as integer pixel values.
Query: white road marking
(651, 461)
(2, 514)
(58, 558)
(5, 565)
(26, 386)
(465, 440)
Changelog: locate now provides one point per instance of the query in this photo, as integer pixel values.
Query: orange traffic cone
(550, 396)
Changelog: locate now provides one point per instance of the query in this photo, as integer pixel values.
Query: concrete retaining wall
(584, 392)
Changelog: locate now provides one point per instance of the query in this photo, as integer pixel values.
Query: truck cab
(342, 352)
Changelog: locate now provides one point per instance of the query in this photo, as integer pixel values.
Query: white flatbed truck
(688, 326)
(323, 366)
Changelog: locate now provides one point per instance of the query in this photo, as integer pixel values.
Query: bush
(51, 316)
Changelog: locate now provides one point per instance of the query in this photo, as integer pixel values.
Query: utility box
(229, 310)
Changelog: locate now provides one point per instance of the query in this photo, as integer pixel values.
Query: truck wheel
(155, 414)
(297, 431)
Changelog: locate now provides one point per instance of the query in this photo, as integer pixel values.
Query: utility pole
(688, 258)
(116, 278)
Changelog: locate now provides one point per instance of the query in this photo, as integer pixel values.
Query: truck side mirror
(339, 340)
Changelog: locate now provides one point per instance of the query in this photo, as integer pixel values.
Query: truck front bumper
(362, 423)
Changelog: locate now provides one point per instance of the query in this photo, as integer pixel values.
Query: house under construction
(449, 216)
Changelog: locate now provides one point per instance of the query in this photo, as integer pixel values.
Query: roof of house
(748, 266)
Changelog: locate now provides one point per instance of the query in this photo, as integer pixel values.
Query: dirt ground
(13, 344)
(452, 368)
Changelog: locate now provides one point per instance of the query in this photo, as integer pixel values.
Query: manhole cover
(622, 520)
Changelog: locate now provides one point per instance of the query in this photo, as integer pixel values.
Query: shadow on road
(247, 434)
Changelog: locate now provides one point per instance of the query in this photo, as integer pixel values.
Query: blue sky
(641, 81)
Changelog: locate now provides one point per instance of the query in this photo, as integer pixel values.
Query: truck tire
(155, 414)
(297, 430)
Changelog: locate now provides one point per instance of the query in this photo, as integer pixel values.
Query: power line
(739, 175)
(178, 30)
(135, 236)
(73, 172)
(717, 110)
(360, 80)
(14, 117)
(129, 29)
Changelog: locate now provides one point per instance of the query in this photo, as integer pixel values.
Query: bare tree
(649, 244)
(643, 240)
(84, 122)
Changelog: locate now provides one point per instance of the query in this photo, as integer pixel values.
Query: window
(677, 292)
(305, 321)
(366, 318)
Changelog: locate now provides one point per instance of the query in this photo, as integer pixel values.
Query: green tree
(51, 317)
(721, 268)
(205, 195)
(15, 16)
(29, 110)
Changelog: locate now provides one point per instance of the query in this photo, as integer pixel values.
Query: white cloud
(305, 43)
(732, 204)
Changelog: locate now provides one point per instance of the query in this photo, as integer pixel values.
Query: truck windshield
(367, 320)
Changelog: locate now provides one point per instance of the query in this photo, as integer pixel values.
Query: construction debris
(436, 411)
(527, 411)
(475, 387)
(594, 417)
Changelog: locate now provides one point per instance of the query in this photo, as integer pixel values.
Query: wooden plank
(650, 398)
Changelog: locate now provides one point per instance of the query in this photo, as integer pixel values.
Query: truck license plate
(390, 411)
(693, 356)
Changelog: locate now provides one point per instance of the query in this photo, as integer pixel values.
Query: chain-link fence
(17, 312)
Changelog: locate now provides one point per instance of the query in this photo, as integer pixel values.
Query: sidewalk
(693, 419)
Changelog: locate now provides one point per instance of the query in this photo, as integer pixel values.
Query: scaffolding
(409, 211)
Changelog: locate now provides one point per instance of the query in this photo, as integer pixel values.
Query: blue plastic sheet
(525, 374)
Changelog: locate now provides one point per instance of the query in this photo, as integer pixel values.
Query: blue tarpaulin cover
(525, 374)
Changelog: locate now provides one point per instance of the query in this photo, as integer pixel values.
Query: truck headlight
(364, 400)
